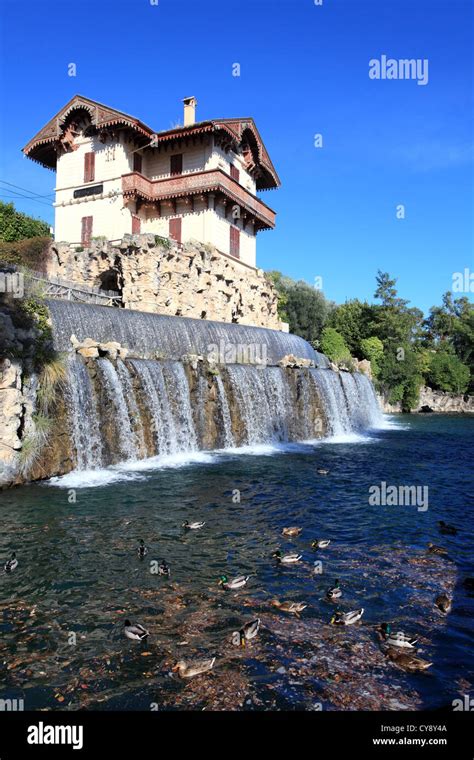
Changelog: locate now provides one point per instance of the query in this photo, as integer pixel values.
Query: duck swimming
(321, 543)
(448, 530)
(291, 532)
(335, 592)
(246, 633)
(190, 669)
(235, 583)
(407, 661)
(164, 569)
(398, 639)
(135, 632)
(321, 471)
(11, 564)
(443, 603)
(193, 525)
(433, 549)
(293, 608)
(142, 550)
(287, 559)
(347, 618)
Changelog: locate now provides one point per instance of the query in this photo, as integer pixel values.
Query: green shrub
(334, 346)
(447, 373)
(31, 253)
(372, 349)
(16, 226)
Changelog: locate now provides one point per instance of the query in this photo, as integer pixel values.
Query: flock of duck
(398, 646)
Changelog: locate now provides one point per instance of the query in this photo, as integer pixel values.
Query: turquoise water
(79, 577)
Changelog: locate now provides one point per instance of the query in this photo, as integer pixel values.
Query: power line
(30, 198)
(27, 190)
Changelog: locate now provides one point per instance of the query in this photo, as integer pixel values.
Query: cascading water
(141, 407)
(228, 437)
(114, 391)
(84, 417)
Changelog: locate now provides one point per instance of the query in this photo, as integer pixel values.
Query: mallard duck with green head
(335, 592)
(396, 639)
(321, 543)
(234, 583)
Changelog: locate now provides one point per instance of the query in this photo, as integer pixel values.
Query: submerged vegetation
(406, 349)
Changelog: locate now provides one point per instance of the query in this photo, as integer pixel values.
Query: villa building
(115, 175)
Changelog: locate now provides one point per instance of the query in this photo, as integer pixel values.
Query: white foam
(92, 478)
(167, 461)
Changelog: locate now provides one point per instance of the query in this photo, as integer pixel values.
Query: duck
(193, 525)
(335, 592)
(11, 564)
(322, 471)
(320, 543)
(231, 585)
(407, 661)
(142, 550)
(190, 669)
(164, 569)
(398, 639)
(448, 530)
(293, 608)
(433, 549)
(291, 532)
(443, 603)
(246, 633)
(347, 618)
(287, 559)
(135, 632)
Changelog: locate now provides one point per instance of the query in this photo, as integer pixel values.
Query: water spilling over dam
(127, 409)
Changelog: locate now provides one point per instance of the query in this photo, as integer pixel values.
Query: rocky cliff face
(155, 275)
(434, 401)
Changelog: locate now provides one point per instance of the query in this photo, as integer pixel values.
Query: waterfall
(114, 391)
(84, 417)
(152, 381)
(228, 438)
(129, 393)
(334, 401)
(128, 409)
(349, 401)
(149, 335)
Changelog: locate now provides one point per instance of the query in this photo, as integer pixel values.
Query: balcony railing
(197, 183)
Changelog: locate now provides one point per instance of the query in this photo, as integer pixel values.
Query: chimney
(189, 111)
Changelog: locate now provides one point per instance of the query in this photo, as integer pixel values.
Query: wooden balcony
(137, 186)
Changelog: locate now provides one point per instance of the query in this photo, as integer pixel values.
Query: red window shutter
(86, 231)
(175, 230)
(136, 225)
(137, 163)
(176, 164)
(234, 173)
(235, 242)
(89, 167)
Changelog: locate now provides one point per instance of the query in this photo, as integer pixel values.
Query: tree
(448, 373)
(372, 349)
(16, 226)
(304, 307)
(334, 346)
(352, 319)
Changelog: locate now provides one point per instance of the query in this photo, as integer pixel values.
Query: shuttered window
(234, 173)
(89, 167)
(137, 163)
(136, 225)
(175, 230)
(86, 231)
(176, 164)
(235, 242)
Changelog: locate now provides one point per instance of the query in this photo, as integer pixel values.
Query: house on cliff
(116, 176)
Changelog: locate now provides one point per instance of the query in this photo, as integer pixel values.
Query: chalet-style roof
(232, 134)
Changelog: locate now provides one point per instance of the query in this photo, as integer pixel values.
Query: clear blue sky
(304, 70)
